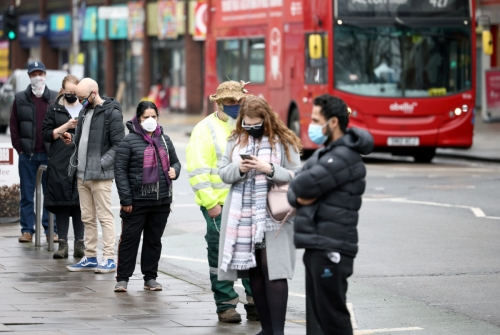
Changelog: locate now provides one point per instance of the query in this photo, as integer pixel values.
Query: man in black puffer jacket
(327, 194)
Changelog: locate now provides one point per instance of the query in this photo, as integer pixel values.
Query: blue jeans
(28, 166)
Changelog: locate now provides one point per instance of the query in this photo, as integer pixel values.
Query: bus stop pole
(38, 205)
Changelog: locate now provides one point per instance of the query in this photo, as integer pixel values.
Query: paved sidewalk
(486, 143)
(39, 296)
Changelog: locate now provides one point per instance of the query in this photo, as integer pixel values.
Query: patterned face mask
(38, 85)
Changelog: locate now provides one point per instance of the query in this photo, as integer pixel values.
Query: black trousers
(151, 221)
(63, 213)
(326, 288)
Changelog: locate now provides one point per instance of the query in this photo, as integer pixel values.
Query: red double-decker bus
(404, 67)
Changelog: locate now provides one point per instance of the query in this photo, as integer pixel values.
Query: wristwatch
(271, 174)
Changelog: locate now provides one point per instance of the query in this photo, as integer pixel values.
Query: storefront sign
(93, 28)
(9, 183)
(60, 31)
(493, 91)
(112, 12)
(200, 19)
(136, 20)
(167, 23)
(30, 29)
(4, 61)
(117, 28)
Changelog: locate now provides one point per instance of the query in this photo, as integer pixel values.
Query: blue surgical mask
(232, 111)
(315, 133)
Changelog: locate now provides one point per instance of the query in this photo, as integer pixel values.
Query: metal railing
(39, 211)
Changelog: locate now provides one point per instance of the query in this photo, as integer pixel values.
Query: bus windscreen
(402, 8)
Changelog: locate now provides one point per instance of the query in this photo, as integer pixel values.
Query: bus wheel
(294, 121)
(424, 155)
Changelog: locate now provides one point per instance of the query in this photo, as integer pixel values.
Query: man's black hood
(357, 139)
(109, 103)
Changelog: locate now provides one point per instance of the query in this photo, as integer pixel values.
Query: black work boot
(79, 249)
(63, 250)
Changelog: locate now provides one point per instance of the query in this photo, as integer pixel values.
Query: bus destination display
(402, 8)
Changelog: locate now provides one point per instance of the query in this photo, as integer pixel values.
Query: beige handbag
(278, 207)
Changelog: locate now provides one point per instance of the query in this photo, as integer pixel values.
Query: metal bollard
(39, 211)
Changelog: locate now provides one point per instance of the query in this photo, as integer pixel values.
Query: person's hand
(215, 211)
(260, 165)
(126, 209)
(67, 137)
(244, 166)
(71, 124)
(306, 202)
(171, 173)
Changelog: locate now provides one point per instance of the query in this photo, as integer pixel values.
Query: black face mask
(256, 133)
(71, 98)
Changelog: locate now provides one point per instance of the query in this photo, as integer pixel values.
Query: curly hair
(274, 128)
(332, 106)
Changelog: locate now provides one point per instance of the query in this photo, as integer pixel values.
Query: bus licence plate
(403, 141)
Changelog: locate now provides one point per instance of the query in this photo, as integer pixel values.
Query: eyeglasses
(256, 126)
(82, 99)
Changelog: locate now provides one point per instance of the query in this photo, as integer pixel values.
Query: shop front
(166, 32)
(59, 37)
(92, 47)
(30, 29)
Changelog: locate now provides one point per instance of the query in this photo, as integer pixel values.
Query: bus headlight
(458, 111)
(465, 108)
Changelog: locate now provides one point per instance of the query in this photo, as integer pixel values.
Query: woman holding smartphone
(260, 152)
(61, 196)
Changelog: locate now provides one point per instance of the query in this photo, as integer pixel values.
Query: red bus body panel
(429, 119)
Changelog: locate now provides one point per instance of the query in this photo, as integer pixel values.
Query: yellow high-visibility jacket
(204, 155)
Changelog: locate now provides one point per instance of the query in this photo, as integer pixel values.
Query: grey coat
(280, 251)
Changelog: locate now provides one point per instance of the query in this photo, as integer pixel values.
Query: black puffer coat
(61, 189)
(129, 160)
(335, 176)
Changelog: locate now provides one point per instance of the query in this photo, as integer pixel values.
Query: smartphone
(76, 117)
(245, 156)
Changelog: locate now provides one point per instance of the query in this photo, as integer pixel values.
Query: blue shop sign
(118, 29)
(60, 31)
(31, 28)
(93, 28)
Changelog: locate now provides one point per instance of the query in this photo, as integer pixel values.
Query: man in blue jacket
(327, 194)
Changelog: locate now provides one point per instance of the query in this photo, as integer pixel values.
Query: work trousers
(326, 288)
(224, 293)
(95, 203)
(150, 221)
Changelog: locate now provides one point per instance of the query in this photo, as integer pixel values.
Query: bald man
(98, 134)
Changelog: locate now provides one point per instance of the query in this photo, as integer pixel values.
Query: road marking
(383, 330)
(353, 317)
(478, 212)
(174, 205)
(185, 258)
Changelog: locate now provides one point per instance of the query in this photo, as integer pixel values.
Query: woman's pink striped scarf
(248, 219)
(150, 175)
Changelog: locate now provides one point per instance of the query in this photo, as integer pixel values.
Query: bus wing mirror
(487, 42)
(315, 46)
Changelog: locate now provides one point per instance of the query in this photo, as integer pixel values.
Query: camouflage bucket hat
(230, 89)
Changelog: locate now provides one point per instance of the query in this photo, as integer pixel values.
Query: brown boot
(56, 238)
(229, 316)
(26, 238)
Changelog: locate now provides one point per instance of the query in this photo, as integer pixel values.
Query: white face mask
(38, 85)
(149, 124)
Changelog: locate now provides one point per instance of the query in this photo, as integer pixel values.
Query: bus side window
(316, 58)
(241, 59)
